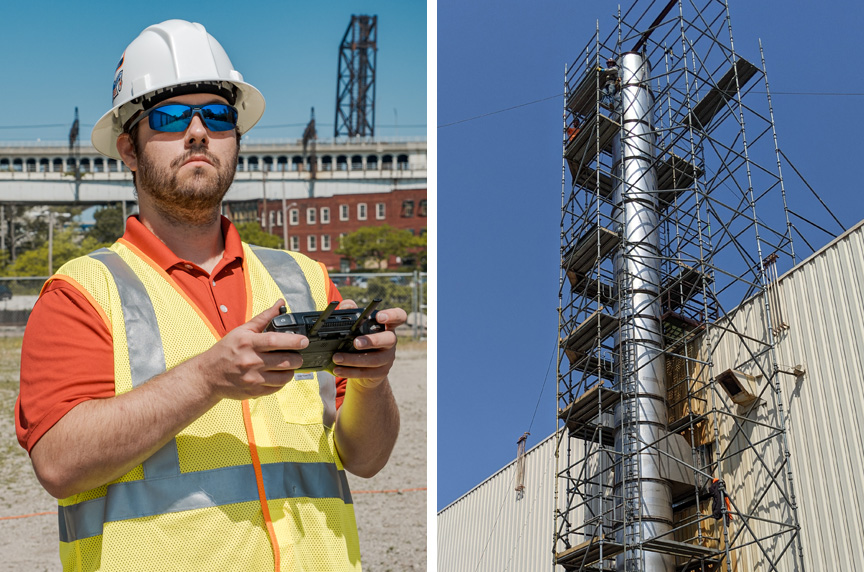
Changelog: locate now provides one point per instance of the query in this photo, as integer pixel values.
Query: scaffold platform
(587, 335)
(723, 91)
(594, 245)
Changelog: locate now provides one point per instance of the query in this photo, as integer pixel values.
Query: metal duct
(640, 417)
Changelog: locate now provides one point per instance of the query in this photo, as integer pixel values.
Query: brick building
(314, 225)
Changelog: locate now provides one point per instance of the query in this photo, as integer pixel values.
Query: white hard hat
(169, 59)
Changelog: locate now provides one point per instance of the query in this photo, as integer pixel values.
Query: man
(172, 428)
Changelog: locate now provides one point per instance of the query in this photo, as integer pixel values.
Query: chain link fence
(406, 290)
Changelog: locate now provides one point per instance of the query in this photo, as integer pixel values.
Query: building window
(325, 242)
(310, 215)
(380, 211)
(361, 211)
(402, 162)
(325, 215)
(294, 241)
(294, 217)
(312, 243)
(343, 212)
(407, 208)
(422, 210)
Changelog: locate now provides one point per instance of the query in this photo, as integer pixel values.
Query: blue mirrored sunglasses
(176, 117)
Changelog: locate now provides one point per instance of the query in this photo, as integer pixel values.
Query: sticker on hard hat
(120, 65)
(118, 84)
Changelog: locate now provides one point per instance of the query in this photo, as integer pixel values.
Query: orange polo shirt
(68, 355)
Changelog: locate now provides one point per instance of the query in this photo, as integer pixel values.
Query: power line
(813, 93)
(34, 126)
(500, 111)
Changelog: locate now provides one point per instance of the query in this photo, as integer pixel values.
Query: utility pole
(74, 152)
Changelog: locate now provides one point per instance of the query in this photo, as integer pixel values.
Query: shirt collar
(148, 243)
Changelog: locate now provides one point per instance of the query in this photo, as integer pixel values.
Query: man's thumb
(259, 322)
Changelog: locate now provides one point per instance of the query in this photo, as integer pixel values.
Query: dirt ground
(390, 507)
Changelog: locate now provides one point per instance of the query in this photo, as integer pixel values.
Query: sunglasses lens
(175, 118)
(218, 117)
(171, 118)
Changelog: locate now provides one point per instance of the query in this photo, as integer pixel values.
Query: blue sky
(499, 191)
(63, 54)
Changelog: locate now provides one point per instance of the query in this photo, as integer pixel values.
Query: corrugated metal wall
(822, 301)
(490, 530)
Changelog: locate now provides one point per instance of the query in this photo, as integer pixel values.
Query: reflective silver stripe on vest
(201, 489)
(288, 276)
(146, 356)
(327, 390)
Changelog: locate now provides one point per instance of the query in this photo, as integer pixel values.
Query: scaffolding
(672, 450)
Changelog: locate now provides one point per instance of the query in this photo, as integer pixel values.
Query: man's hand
(249, 362)
(371, 367)
(101, 439)
(367, 424)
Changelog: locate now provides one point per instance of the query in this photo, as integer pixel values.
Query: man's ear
(127, 151)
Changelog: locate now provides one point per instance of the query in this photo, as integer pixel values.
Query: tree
(109, 224)
(67, 245)
(252, 233)
(374, 245)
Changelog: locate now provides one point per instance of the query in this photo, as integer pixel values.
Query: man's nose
(196, 133)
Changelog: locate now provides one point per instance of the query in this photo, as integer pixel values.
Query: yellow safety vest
(242, 479)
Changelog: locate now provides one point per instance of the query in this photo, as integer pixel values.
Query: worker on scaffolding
(609, 93)
(573, 130)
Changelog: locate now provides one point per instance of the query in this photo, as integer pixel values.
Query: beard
(194, 201)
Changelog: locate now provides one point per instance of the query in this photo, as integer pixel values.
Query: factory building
(820, 357)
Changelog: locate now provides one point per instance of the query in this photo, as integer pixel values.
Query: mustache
(200, 151)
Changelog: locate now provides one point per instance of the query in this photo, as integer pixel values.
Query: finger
(277, 379)
(347, 305)
(281, 361)
(371, 373)
(279, 342)
(375, 341)
(259, 322)
(392, 317)
(371, 359)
